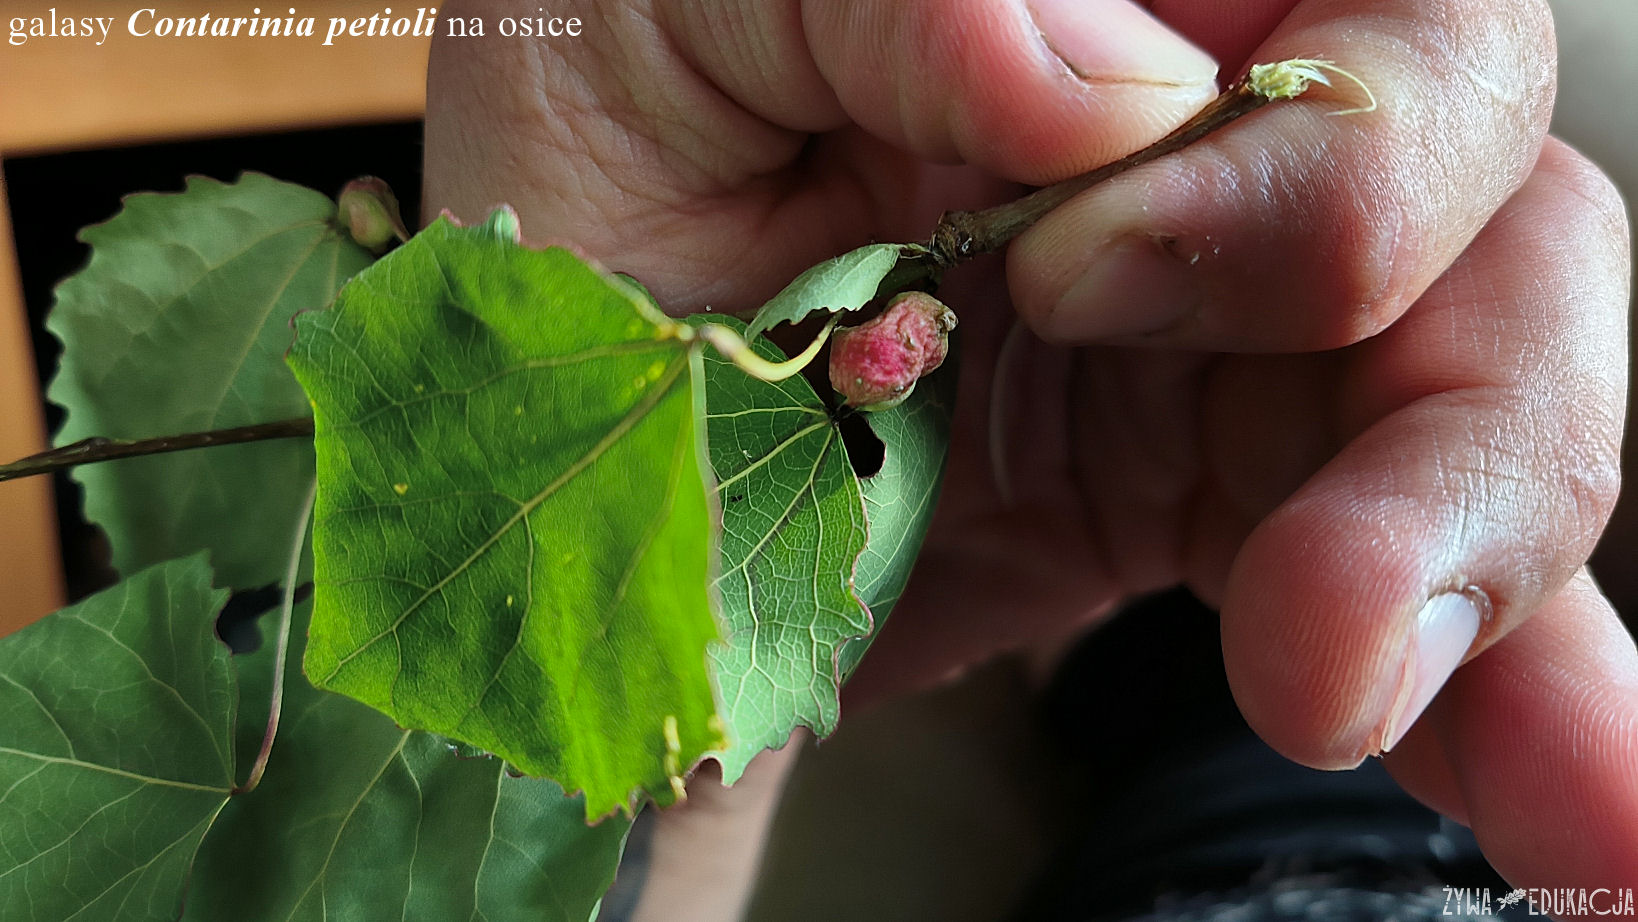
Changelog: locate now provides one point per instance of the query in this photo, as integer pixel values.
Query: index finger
(1290, 231)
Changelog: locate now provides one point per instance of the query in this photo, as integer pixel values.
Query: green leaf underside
(116, 749)
(900, 497)
(358, 820)
(845, 283)
(512, 534)
(793, 525)
(178, 324)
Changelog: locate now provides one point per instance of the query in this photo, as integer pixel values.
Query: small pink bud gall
(369, 211)
(876, 364)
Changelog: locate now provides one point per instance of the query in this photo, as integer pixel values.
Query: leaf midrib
(785, 443)
(636, 415)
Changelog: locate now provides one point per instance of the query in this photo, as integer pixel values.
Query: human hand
(1324, 370)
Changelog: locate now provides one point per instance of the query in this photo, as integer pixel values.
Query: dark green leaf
(845, 283)
(177, 325)
(796, 560)
(512, 536)
(116, 749)
(357, 820)
(793, 524)
(900, 498)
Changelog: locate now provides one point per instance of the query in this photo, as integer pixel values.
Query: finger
(703, 853)
(1541, 739)
(1481, 487)
(1033, 91)
(1230, 30)
(1265, 425)
(1133, 427)
(1422, 766)
(1292, 231)
(675, 139)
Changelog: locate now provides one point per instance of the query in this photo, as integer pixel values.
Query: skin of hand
(1359, 381)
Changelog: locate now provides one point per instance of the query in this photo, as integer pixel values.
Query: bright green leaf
(845, 283)
(512, 536)
(357, 820)
(793, 524)
(177, 325)
(116, 749)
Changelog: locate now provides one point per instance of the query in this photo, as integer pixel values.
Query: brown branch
(961, 235)
(87, 451)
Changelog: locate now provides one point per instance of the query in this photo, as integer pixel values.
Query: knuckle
(1538, 46)
(1487, 75)
(1595, 205)
(1591, 478)
(1384, 277)
(1375, 267)
(1574, 462)
(1326, 224)
(1503, 55)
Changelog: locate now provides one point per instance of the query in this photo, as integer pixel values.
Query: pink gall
(876, 364)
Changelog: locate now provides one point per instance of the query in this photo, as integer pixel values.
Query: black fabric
(1188, 816)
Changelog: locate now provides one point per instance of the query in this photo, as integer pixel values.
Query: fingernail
(1445, 630)
(1130, 289)
(1116, 40)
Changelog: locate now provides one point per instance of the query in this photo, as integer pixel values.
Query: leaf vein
(638, 412)
(110, 770)
(47, 712)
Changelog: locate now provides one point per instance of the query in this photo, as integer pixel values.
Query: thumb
(1031, 91)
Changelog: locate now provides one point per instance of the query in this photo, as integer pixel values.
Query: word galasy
(24, 28)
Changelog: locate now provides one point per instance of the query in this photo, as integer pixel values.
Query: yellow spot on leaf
(400, 488)
(673, 749)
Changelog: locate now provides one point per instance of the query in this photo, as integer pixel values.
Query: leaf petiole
(281, 651)
(734, 348)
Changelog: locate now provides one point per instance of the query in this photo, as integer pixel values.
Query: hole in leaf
(864, 450)
(237, 624)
